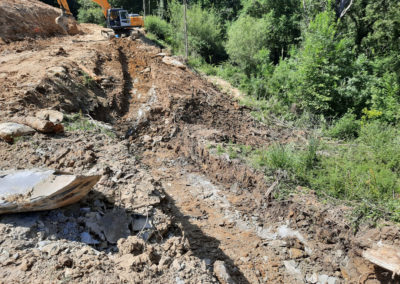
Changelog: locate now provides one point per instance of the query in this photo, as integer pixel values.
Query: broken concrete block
(39, 189)
(173, 62)
(51, 115)
(9, 130)
(222, 273)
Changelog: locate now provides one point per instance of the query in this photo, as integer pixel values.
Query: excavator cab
(117, 19)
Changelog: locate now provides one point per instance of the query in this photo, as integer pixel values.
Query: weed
(78, 122)
(87, 79)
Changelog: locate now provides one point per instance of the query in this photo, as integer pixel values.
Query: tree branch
(345, 10)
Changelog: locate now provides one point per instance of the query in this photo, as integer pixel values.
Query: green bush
(246, 37)
(204, 31)
(346, 127)
(90, 12)
(158, 27)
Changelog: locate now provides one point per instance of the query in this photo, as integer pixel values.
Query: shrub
(204, 31)
(158, 27)
(346, 127)
(246, 37)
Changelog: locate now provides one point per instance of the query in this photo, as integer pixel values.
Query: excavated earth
(167, 209)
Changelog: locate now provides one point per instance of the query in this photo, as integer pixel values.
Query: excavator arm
(64, 6)
(103, 4)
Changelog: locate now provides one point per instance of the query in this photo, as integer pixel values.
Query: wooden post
(186, 30)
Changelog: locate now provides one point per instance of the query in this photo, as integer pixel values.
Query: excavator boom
(103, 4)
(64, 6)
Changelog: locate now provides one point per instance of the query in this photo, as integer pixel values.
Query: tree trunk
(144, 9)
(186, 30)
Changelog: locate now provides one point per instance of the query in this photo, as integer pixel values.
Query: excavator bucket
(68, 24)
(39, 189)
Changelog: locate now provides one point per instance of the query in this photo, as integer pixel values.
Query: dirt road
(168, 208)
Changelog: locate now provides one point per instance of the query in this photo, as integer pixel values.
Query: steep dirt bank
(28, 18)
(161, 180)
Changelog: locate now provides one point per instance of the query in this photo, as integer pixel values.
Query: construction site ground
(168, 208)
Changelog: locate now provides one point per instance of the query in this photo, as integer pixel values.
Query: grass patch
(78, 122)
(365, 172)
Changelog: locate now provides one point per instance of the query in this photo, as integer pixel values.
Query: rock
(57, 70)
(222, 273)
(296, 253)
(9, 130)
(51, 115)
(115, 226)
(312, 278)
(41, 189)
(325, 279)
(131, 245)
(27, 263)
(87, 239)
(93, 223)
(41, 125)
(65, 261)
(141, 222)
(173, 62)
(292, 268)
(384, 256)
(178, 265)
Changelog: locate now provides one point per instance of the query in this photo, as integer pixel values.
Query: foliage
(204, 31)
(158, 27)
(346, 127)
(90, 12)
(79, 122)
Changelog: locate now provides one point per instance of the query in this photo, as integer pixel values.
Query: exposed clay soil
(28, 18)
(167, 207)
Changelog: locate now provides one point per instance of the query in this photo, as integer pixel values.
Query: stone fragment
(65, 261)
(88, 239)
(296, 253)
(222, 273)
(41, 189)
(384, 256)
(51, 115)
(9, 130)
(141, 222)
(173, 62)
(41, 125)
(115, 226)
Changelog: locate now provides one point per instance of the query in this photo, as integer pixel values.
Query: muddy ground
(168, 209)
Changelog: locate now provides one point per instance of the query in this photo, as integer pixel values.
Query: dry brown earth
(167, 207)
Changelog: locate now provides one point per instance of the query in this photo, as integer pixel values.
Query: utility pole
(186, 30)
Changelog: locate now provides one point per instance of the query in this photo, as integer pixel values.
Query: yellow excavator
(119, 22)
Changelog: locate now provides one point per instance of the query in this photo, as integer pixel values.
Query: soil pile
(28, 18)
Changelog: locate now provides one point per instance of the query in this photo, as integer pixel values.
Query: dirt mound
(22, 18)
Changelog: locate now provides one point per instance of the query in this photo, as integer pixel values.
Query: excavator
(119, 22)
